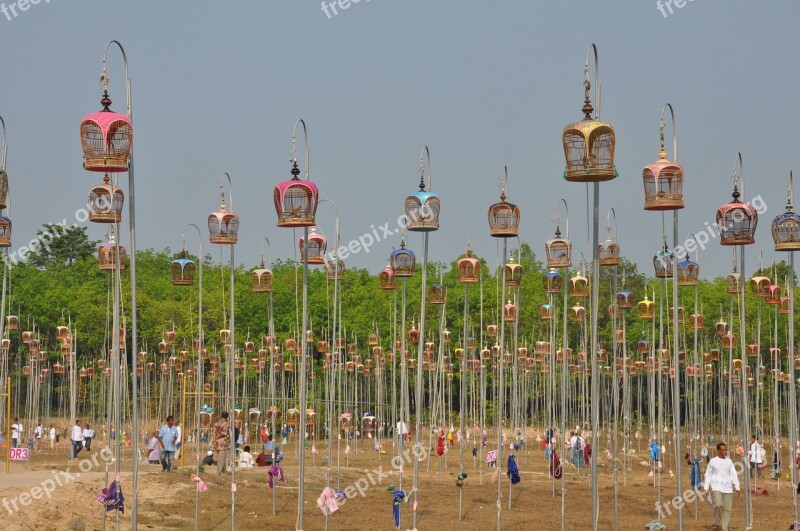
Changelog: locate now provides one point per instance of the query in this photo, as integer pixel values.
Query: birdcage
(504, 218)
(737, 221)
(547, 312)
(728, 341)
(458, 353)
(413, 334)
(643, 346)
(105, 202)
(589, 143)
(468, 268)
(625, 299)
(422, 208)
(27, 336)
(681, 315)
(715, 354)
(106, 254)
(785, 302)
(614, 312)
(688, 273)
(733, 283)
(387, 278)
(577, 314)
(552, 281)
(5, 231)
(12, 322)
(334, 269)
(697, 321)
(106, 139)
(513, 273)
(759, 285)
(223, 226)
(170, 336)
(752, 350)
(773, 295)
(437, 294)
(558, 251)
(403, 261)
(261, 279)
(317, 245)
(662, 263)
(579, 286)
(608, 252)
(786, 229)
(182, 270)
(509, 312)
(663, 183)
(296, 200)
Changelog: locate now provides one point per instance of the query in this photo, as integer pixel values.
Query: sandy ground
(167, 501)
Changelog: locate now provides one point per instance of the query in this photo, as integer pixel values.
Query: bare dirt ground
(167, 501)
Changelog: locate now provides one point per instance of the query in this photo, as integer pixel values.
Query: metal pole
(418, 445)
(595, 376)
(303, 398)
(676, 383)
(500, 395)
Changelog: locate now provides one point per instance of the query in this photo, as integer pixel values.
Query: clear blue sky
(217, 86)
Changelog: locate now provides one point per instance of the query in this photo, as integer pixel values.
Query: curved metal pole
(199, 368)
(303, 342)
(426, 156)
(231, 367)
(4, 153)
(134, 311)
(4, 381)
(269, 250)
(674, 131)
(597, 93)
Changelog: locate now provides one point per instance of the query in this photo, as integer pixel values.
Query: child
(246, 459)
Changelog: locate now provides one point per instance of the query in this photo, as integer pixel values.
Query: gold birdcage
(579, 286)
(513, 273)
(759, 285)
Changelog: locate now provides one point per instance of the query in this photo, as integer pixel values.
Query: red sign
(18, 454)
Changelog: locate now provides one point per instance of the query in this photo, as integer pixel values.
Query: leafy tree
(60, 245)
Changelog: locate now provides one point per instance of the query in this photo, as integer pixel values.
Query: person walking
(167, 437)
(721, 477)
(88, 435)
(77, 439)
(756, 457)
(16, 433)
(222, 441)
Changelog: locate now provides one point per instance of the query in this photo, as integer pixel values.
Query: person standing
(721, 477)
(167, 437)
(37, 437)
(16, 433)
(52, 435)
(222, 441)
(77, 439)
(178, 440)
(756, 457)
(88, 435)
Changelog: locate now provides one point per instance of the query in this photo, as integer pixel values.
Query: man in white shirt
(756, 456)
(77, 439)
(88, 435)
(52, 436)
(16, 433)
(37, 437)
(721, 477)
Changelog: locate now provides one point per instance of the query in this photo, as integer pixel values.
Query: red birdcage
(106, 138)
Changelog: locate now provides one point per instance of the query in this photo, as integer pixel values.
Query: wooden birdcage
(509, 312)
(688, 273)
(491, 330)
(759, 285)
(289, 344)
(715, 354)
(184, 355)
(547, 312)
(663, 263)
(261, 279)
(643, 346)
(619, 336)
(785, 302)
(504, 218)
(387, 278)
(579, 286)
(513, 273)
(106, 139)
(170, 336)
(614, 312)
(296, 201)
(589, 143)
(317, 245)
(334, 269)
(163, 347)
(752, 350)
(403, 261)
(268, 342)
(663, 183)
(225, 336)
(468, 268)
(322, 346)
(223, 226)
(413, 334)
(447, 336)
(728, 341)
(577, 314)
(608, 251)
(552, 281)
(12, 322)
(733, 283)
(105, 202)
(697, 321)
(5, 231)
(773, 295)
(106, 254)
(775, 354)
(558, 252)
(249, 346)
(737, 221)
(721, 328)
(437, 294)
(681, 315)
(625, 299)
(27, 336)
(786, 229)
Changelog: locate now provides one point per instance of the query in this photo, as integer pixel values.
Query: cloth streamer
(275, 471)
(398, 497)
(112, 497)
(201, 485)
(327, 501)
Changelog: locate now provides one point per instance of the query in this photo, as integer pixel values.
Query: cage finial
(789, 194)
(421, 174)
(587, 103)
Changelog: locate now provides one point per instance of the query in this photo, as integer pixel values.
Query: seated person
(208, 460)
(246, 459)
(265, 456)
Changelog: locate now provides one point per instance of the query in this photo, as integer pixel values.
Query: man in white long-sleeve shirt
(721, 477)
